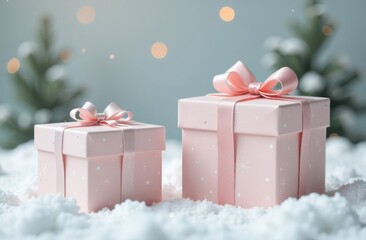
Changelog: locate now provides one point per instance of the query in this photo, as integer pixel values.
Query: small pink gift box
(98, 170)
(267, 165)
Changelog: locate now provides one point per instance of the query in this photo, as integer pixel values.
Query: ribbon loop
(111, 115)
(239, 80)
(235, 81)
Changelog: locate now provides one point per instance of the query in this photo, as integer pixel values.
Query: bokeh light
(111, 56)
(227, 14)
(65, 55)
(13, 65)
(159, 50)
(334, 135)
(327, 30)
(83, 50)
(86, 15)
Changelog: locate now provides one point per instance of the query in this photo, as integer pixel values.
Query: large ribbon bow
(239, 80)
(112, 115)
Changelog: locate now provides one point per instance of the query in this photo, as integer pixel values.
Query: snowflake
(283, 181)
(245, 166)
(196, 161)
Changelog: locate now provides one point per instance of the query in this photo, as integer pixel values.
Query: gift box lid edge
(185, 110)
(48, 131)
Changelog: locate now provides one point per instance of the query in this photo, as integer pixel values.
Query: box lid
(259, 116)
(92, 141)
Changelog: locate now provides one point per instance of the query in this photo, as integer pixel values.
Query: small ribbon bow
(112, 115)
(239, 80)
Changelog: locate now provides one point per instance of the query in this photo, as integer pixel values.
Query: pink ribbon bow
(87, 115)
(239, 84)
(112, 115)
(239, 80)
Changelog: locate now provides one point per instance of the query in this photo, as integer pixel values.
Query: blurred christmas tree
(333, 78)
(40, 86)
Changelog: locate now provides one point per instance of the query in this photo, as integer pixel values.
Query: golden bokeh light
(65, 55)
(334, 135)
(13, 65)
(227, 14)
(159, 50)
(327, 30)
(86, 15)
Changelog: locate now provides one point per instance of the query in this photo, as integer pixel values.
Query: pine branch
(332, 67)
(71, 97)
(316, 31)
(25, 91)
(10, 124)
(349, 78)
(45, 34)
(296, 29)
(41, 84)
(14, 140)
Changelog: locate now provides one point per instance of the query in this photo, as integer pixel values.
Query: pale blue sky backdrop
(199, 43)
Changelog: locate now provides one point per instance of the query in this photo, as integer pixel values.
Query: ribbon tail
(304, 149)
(304, 143)
(60, 164)
(128, 165)
(226, 155)
(227, 149)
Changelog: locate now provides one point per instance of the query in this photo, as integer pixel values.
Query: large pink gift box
(267, 134)
(98, 172)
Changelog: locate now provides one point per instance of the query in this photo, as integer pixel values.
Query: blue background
(200, 45)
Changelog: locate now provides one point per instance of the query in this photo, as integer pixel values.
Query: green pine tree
(40, 85)
(332, 78)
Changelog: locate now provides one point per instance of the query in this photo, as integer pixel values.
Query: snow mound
(38, 215)
(319, 215)
(338, 214)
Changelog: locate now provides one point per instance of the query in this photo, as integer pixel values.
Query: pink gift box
(97, 172)
(267, 133)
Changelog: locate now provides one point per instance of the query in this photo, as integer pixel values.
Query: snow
(312, 82)
(343, 61)
(5, 113)
(273, 42)
(287, 46)
(42, 116)
(347, 116)
(24, 120)
(269, 60)
(316, 10)
(339, 214)
(56, 73)
(26, 49)
(293, 46)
